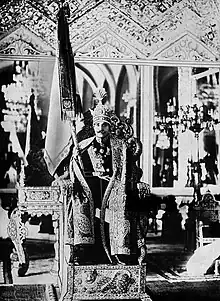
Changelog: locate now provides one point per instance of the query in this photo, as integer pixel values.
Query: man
(105, 176)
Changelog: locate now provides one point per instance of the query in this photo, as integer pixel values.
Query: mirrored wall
(27, 85)
(23, 84)
(174, 111)
(186, 126)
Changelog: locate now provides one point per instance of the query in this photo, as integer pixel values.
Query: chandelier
(17, 96)
(166, 144)
(198, 116)
(201, 114)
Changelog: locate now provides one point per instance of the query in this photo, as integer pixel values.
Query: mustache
(100, 131)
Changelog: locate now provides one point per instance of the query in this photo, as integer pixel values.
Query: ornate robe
(87, 196)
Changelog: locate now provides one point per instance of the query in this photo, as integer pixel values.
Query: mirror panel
(186, 117)
(18, 81)
(159, 93)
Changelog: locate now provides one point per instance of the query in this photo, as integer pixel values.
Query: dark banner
(70, 100)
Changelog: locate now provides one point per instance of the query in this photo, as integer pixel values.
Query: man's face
(101, 128)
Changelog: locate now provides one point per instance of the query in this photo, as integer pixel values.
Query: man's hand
(97, 174)
(106, 178)
(58, 179)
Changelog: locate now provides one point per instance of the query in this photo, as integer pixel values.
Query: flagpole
(76, 144)
(70, 108)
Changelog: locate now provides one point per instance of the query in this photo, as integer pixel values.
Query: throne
(103, 281)
(207, 220)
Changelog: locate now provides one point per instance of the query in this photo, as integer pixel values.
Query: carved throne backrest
(208, 209)
(122, 128)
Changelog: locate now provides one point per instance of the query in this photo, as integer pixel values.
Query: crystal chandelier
(17, 96)
(166, 143)
(200, 115)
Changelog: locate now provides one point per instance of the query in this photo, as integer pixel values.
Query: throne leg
(17, 232)
(6, 246)
(55, 268)
(143, 251)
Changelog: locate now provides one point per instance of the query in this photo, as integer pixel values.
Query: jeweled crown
(102, 113)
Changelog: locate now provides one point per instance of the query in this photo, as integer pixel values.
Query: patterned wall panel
(129, 29)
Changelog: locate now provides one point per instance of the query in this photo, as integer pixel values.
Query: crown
(102, 113)
(100, 94)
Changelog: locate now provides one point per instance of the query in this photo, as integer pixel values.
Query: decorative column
(147, 110)
(55, 267)
(185, 138)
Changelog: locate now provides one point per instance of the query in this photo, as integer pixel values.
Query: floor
(165, 261)
(41, 254)
(166, 273)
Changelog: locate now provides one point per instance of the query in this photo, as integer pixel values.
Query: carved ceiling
(186, 48)
(123, 28)
(21, 41)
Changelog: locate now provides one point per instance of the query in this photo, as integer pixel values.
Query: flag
(70, 99)
(58, 137)
(65, 102)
